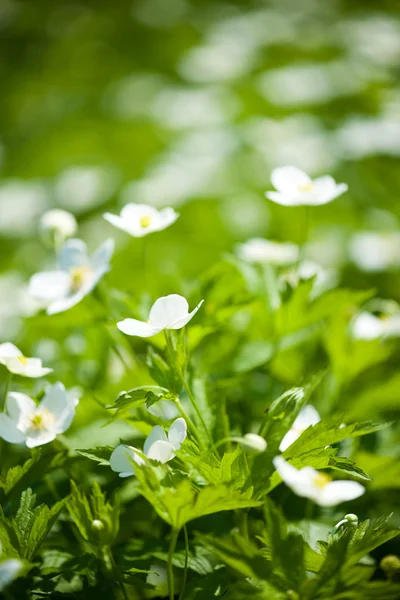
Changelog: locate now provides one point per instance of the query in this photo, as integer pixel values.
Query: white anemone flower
(160, 447)
(140, 219)
(9, 570)
(18, 364)
(124, 458)
(307, 416)
(35, 425)
(168, 312)
(296, 188)
(309, 483)
(259, 250)
(367, 326)
(76, 277)
(58, 222)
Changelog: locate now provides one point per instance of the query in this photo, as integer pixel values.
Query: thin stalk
(188, 420)
(117, 574)
(6, 390)
(185, 569)
(172, 546)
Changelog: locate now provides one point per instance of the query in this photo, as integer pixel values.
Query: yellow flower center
(40, 420)
(321, 480)
(23, 360)
(78, 277)
(305, 187)
(145, 221)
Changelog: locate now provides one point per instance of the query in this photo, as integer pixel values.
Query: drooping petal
(123, 458)
(73, 254)
(65, 303)
(326, 189)
(299, 481)
(19, 406)
(9, 431)
(182, 322)
(177, 433)
(60, 406)
(307, 416)
(8, 350)
(161, 451)
(155, 435)
(336, 492)
(167, 310)
(138, 328)
(27, 367)
(49, 286)
(116, 220)
(288, 179)
(288, 439)
(101, 258)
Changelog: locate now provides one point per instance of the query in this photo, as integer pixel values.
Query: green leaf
(162, 373)
(101, 454)
(16, 474)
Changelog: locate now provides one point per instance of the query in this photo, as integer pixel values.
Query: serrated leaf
(101, 454)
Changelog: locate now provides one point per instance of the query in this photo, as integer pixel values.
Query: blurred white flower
(59, 223)
(140, 219)
(76, 277)
(123, 459)
(265, 251)
(252, 442)
(309, 483)
(164, 409)
(9, 570)
(374, 251)
(307, 416)
(296, 188)
(168, 312)
(21, 203)
(34, 425)
(158, 576)
(367, 326)
(161, 448)
(83, 187)
(13, 359)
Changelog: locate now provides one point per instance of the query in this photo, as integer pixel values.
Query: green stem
(185, 570)
(117, 575)
(188, 420)
(172, 546)
(6, 390)
(186, 387)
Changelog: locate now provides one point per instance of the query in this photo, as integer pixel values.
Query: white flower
(251, 442)
(58, 222)
(161, 448)
(140, 219)
(295, 188)
(123, 458)
(9, 570)
(367, 326)
(168, 312)
(13, 359)
(34, 424)
(375, 251)
(76, 277)
(259, 250)
(309, 483)
(307, 416)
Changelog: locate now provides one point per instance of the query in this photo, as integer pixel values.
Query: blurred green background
(191, 105)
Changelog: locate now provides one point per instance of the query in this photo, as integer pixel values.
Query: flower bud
(57, 224)
(97, 525)
(251, 442)
(390, 565)
(351, 518)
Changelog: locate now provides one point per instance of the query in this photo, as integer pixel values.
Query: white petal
(9, 570)
(307, 416)
(29, 367)
(8, 350)
(155, 435)
(101, 258)
(65, 303)
(285, 199)
(161, 451)
(336, 492)
(138, 328)
(177, 433)
(167, 310)
(182, 322)
(19, 405)
(117, 221)
(9, 431)
(301, 482)
(327, 189)
(73, 254)
(39, 437)
(49, 286)
(289, 438)
(62, 407)
(168, 216)
(122, 459)
(288, 179)
(367, 327)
